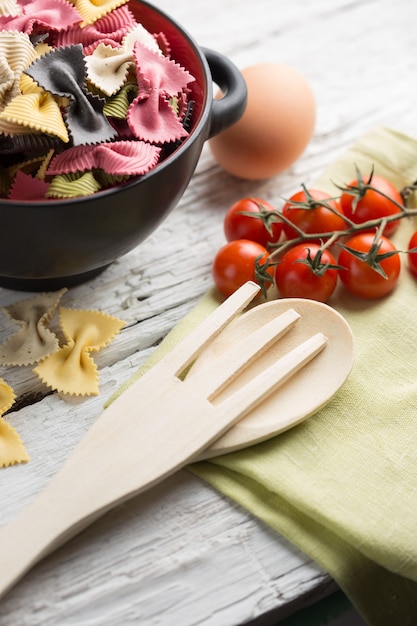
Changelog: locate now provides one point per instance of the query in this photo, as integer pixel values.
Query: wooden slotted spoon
(301, 395)
(159, 424)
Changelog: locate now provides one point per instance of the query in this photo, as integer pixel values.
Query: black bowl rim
(199, 127)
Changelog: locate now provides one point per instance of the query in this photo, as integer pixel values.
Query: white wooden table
(182, 553)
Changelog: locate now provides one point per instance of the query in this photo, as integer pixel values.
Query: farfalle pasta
(12, 450)
(122, 157)
(110, 29)
(40, 15)
(71, 370)
(84, 77)
(91, 11)
(151, 116)
(34, 340)
(9, 8)
(16, 53)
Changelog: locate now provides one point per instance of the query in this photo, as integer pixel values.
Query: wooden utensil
(301, 395)
(155, 427)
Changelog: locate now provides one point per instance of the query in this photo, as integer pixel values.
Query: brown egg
(276, 127)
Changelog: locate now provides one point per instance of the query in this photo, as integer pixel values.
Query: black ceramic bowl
(52, 244)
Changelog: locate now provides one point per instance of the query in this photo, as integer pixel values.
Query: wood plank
(184, 554)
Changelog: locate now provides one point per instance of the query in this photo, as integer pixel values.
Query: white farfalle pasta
(16, 54)
(9, 8)
(108, 66)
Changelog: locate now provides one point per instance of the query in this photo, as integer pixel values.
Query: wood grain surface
(183, 554)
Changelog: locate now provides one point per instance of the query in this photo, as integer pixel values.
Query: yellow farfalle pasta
(71, 370)
(93, 10)
(44, 164)
(37, 111)
(34, 341)
(12, 450)
(28, 108)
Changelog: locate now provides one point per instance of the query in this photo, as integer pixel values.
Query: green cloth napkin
(342, 486)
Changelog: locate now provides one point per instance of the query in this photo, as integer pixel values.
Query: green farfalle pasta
(73, 185)
(117, 105)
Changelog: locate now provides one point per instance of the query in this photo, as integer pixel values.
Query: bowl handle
(230, 108)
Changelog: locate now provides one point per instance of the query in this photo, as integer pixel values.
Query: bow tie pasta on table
(68, 368)
(12, 449)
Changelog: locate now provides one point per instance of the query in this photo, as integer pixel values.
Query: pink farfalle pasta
(47, 14)
(27, 188)
(151, 117)
(88, 76)
(117, 158)
(110, 28)
(72, 370)
(12, 450)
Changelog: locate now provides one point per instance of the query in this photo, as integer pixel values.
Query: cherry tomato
(234, 264)
(238, 226)
(412, 256)
(373, 205)
(295, 279)
(317, 218)
(359, 277)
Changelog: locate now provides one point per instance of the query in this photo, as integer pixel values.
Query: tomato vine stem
(328, 239)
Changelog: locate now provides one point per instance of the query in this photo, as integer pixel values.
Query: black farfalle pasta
(62, 72)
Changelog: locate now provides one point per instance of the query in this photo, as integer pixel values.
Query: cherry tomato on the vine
(301, 274)
(253, 227)
(316, 218)
(359, 276)
(373, 205)
(235, 264)
(412, 256)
